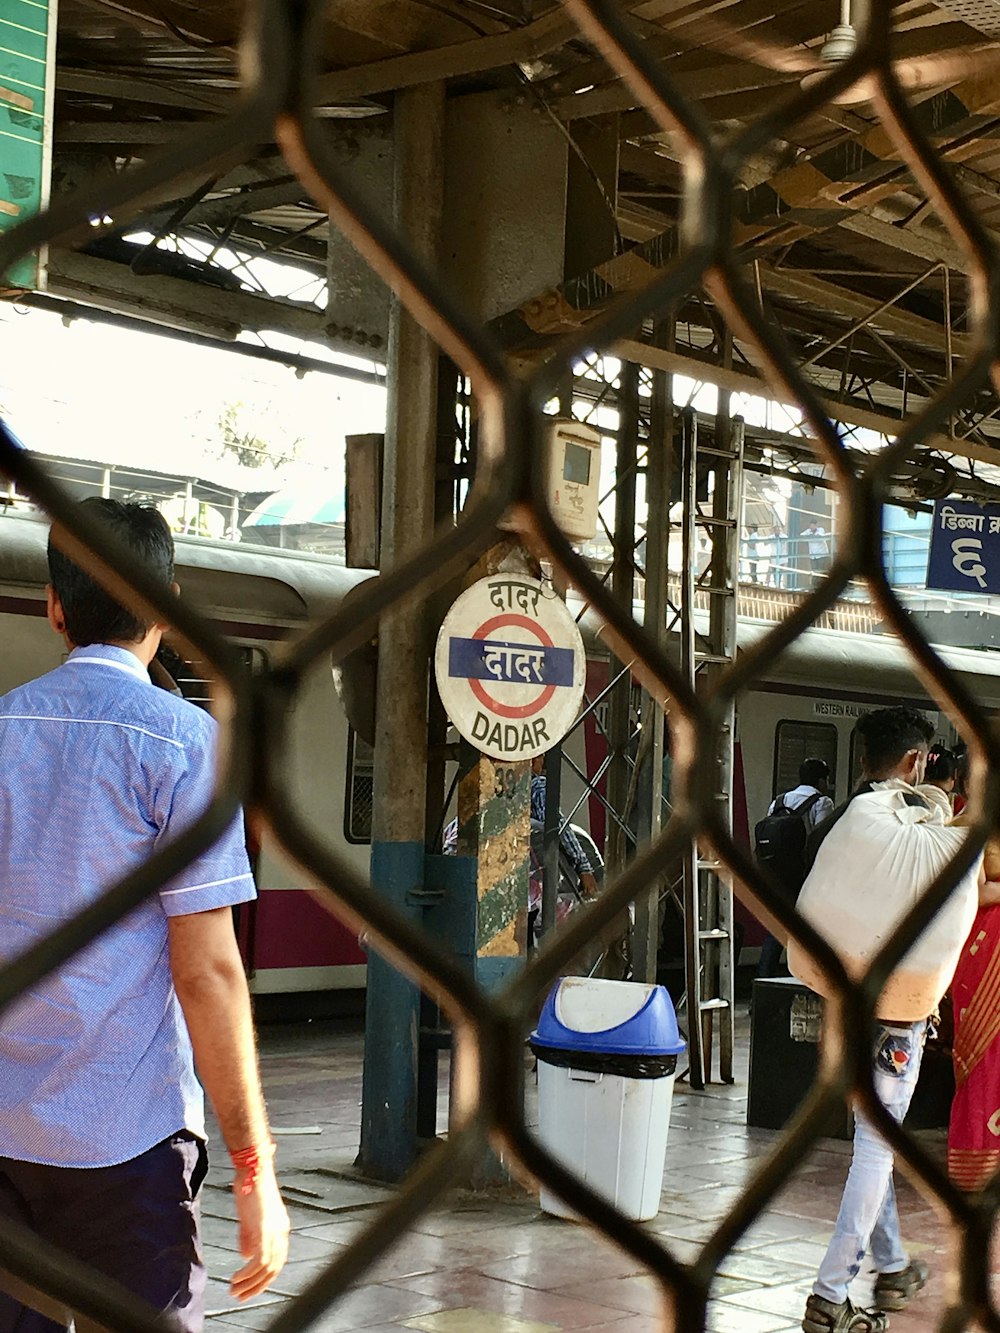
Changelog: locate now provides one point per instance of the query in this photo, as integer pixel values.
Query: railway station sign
(27, 82)
(965, 547)
(510, 667)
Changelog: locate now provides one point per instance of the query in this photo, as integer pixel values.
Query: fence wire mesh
(280, 62)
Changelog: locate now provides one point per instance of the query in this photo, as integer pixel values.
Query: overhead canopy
(833, 231)
(298, 506)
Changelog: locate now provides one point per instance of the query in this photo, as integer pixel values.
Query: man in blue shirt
(102, 1137)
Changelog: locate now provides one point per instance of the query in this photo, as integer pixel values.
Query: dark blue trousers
(137, 1223)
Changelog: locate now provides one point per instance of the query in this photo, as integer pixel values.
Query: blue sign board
(965, 547)
(520, 663)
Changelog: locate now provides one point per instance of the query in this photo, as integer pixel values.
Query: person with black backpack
(780, 842)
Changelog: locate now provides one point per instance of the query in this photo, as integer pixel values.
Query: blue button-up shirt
(98, 768)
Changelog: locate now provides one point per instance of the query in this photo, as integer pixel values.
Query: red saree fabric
(974, 1131)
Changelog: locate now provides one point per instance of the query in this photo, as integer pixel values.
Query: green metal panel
(27, 74)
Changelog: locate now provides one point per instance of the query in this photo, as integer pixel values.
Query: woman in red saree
(974, 1131)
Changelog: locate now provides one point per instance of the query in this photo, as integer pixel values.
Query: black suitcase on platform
(785, 1021)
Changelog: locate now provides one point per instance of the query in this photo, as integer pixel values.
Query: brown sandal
(894, 1291)
(823, 1316)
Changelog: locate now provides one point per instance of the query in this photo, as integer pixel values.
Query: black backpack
(780, 844)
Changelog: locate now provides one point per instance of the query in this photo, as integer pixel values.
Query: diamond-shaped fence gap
(619, 43)
(678, 1286)
(780, 364)
(592, 924)
(914, 149)
(446, 1165)
(948, 201)
(87, 541)
(780, 370)
(348, 894)
(427, 298)
(501, 451)
(268, 71)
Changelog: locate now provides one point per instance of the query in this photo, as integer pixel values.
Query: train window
(360, 795)
(795, 741)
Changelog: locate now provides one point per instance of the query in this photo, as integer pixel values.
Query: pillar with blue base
(389, 1096)
(392, 1016)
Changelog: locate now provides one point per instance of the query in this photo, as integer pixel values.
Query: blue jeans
(868, 1209)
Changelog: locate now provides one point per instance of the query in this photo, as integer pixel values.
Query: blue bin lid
(651, 1030)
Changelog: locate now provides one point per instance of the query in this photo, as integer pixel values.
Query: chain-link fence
(281, 43)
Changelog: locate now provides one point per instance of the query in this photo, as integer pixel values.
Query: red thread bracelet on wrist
(250, 1160)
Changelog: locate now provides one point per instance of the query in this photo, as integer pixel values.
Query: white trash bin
(607, 1052)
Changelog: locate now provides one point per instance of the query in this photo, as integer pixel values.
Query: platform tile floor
(489, 1264)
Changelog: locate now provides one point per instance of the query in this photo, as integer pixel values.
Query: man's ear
(54, 610)
(164, 625)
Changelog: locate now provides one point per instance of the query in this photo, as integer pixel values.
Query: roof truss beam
(736, 381)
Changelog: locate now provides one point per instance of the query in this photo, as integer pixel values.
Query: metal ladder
(705, 652)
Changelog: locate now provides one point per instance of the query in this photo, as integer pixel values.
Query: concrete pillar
(389, 1092)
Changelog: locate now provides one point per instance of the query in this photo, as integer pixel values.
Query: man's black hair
(887, 734)
(814, 772)
(91, 615)
(942, 764)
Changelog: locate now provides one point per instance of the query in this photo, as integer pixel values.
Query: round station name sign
(510, 667)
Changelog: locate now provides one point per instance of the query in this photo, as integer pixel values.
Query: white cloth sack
(935, 797)
(872, 867)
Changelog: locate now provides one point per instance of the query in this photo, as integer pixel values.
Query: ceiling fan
(921, 71)
(930, 71)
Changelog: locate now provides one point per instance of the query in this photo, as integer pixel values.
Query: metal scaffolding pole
(708, 898)
(727, 511)
(389, 1090)
(623, 589)
(659, 470)
(553, 765)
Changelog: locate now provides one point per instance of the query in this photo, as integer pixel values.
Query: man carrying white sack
(876, 856)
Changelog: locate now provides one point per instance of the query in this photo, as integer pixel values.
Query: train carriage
(805, 705)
